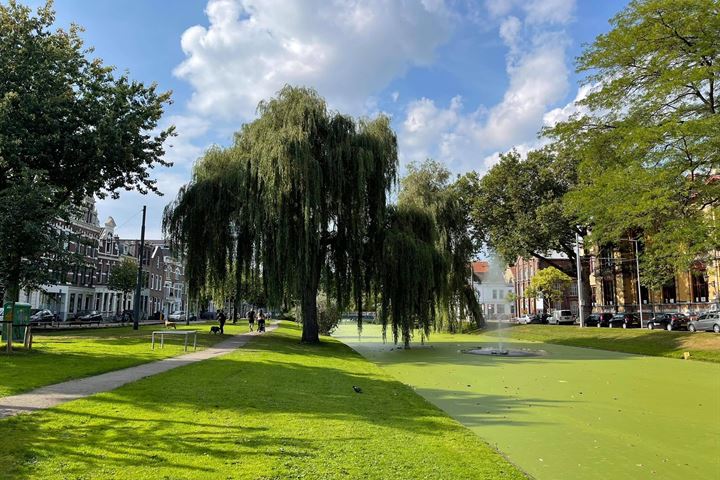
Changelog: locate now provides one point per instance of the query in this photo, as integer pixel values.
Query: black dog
(215, 330)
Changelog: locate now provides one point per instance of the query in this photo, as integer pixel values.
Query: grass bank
(65, 355)
(275, 409)
(658, 343)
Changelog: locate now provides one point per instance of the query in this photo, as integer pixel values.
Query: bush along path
(53, 395)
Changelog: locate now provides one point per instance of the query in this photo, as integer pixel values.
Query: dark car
(598, 320)
(89, 316)
(669, 321)
(43, 316)
(706, 321)
(624, 320)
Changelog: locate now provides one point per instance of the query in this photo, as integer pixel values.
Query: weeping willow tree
(299, 195)
(414, 273)
(427, 186)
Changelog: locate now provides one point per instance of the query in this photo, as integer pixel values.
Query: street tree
(518, 209)
(71, 129)
(428, 186)
(123, 276)
(301, 191)
(647, 135)
(549, 284)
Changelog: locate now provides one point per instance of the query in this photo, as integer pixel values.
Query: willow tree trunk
(311, 332)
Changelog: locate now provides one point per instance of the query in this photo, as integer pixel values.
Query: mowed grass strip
(66, 355)
(275, 409)
(659, 343)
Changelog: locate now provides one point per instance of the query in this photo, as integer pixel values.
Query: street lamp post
(637, 267)
(578, 268)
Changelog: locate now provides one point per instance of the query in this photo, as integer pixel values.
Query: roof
(480, 266)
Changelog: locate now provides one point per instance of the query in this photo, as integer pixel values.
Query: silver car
(706, 321)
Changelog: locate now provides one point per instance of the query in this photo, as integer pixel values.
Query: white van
(559, 317)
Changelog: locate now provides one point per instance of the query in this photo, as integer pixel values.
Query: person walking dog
(222, 319)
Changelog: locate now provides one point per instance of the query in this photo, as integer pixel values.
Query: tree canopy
(70, 129)
(123, 276)
(301, 193)
(647, 136)
(427, 186)
(549, 284)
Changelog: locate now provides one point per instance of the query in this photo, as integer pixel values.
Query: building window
(669, 293)
(699, 286)
(608, 287)
(494, 294)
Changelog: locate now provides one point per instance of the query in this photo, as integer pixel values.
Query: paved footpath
(53, 395)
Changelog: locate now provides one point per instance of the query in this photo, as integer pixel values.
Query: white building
(492, 289)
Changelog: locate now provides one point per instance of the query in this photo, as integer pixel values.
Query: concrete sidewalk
(53, 395)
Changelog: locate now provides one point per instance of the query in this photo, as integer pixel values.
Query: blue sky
(462, 80)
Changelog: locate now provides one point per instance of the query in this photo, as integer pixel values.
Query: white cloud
(538, 79)
(536, 11)
(347, 50)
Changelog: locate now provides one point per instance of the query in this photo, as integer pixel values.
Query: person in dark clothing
(251, 319)
(261, 321)
(222, 318)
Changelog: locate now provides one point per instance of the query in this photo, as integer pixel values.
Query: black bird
(357, 389)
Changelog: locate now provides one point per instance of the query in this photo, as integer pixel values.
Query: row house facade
(83, 286)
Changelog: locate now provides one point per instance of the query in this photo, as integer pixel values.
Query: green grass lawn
(702, 345)
(60, 356)
(275, 409)
(572, 413)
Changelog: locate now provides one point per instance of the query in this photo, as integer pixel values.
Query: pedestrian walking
(222, 318)
(251, 319)
(261, 321)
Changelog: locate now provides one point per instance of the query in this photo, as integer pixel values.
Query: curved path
(53, 395)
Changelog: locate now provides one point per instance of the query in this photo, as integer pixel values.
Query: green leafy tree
(414, 273)
(549, 284)
(518, 208)
(70, 129)
(302, 191)
(427, 186)
(647, 136)
(123, 276)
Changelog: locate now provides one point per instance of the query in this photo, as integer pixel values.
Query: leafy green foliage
(517, 207)
(413, 274)
(302, 191)
(427, 186)
(69, 129)
(328, 314)
(123, 276)
(549, 284)
(647, 135)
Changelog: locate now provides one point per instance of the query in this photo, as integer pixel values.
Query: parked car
(559, 317)
(598, 320)
(89, 316)
(669, 321)
(706, 321)
(43, 316)
(528, 319)
(624, 320)
(178, 316)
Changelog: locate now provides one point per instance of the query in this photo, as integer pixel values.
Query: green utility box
(20, 316)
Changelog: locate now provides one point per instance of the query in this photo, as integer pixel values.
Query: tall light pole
(637, 267)
(578, 268)
(136, 310)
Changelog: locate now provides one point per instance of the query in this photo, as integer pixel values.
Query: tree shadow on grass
(253, 404)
